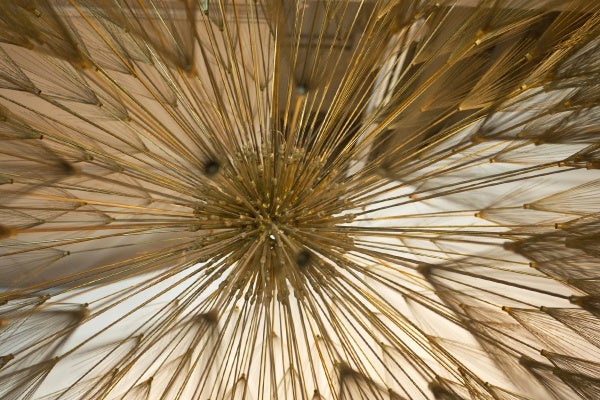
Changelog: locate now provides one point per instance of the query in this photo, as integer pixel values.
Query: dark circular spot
(67, 168)
(211, 168)
(345, 370)
(303, 258)
(424, 269)
(441, 393)
(6, 232)
(211, 316)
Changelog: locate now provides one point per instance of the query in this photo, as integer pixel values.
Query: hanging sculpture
(353, 199)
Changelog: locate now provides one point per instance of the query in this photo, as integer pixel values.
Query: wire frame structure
(311, 199)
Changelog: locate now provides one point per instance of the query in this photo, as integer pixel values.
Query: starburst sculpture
(276, 199)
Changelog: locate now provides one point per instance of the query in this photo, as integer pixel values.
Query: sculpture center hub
(278, 216)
